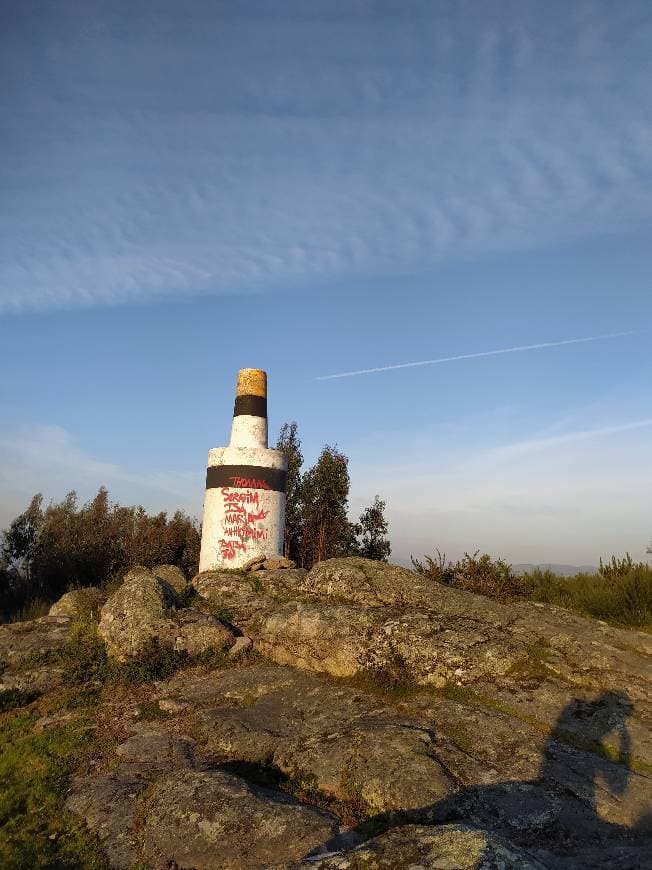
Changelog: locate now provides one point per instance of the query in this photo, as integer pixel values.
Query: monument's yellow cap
(251, 382)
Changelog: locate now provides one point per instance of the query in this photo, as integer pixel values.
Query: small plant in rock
(148, 711)
(534, 664)
(256, 583)
(222, 613)
(304, 785)
(156, 661)
(187, 597)
(389, 675)
(10, 699)
(210, 659)
(84, 656)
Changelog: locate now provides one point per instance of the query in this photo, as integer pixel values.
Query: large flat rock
(212, 819)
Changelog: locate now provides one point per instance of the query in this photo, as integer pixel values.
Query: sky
(340, 187)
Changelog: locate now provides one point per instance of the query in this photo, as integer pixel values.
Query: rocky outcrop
(346, 639)
(449, 847)
(24, 641)
(363, 581)
(144, 607)
(28, 652)
(390, 723)
(213, 819)
(348, 745)
(107, 804)
(243, 595)
(83, 603)
(173, 576)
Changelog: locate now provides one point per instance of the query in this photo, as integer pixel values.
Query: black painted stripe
(246, 477)
(256, 406)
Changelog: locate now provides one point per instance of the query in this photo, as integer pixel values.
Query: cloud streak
(463, 356)
(533, 445)
(295, 148)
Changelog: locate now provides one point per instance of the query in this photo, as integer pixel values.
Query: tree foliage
(46, 551)
(290, 444)
(317, 526)
(371, 530)
(326, 531)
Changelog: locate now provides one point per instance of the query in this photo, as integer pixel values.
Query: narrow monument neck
(249, 427)
(248, 431)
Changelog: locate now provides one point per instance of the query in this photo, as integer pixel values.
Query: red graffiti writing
(229, 548)
(241, 497)
(243, 516)
(248, 483)
(245, 533)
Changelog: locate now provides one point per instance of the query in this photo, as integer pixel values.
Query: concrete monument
(244, 505)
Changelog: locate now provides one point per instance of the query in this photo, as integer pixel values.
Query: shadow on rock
(556, 817)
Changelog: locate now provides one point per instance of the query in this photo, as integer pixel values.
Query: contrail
(447, 359)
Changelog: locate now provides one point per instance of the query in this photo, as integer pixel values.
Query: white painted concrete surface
(244, 516)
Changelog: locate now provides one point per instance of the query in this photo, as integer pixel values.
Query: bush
(619, 593)
(617, 568)
(611, 595)
(480, 574)
(47, 551)
(84, 656)
(156, 661)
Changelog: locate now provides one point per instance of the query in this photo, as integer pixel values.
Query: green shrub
(187, 597)
(156, 661)
(12, 698)
(84, 656)
(480, 574)
(219, 611)
(620, 593)
(148, 711)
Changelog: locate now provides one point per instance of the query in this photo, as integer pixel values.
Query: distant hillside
(560, 570)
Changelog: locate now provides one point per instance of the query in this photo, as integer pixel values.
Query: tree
(289, 443)
(371, 530)
(44, 552)
(20, 539)
(326, 530)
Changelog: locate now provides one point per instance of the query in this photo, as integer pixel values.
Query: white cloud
(521, 448)
(568, 497)
(314, 146)
(49, 460)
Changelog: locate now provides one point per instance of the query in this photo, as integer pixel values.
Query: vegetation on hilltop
(48, 550)
(620, 592)
(316, 520)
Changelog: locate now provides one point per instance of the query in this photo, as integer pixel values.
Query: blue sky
(324, 187)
